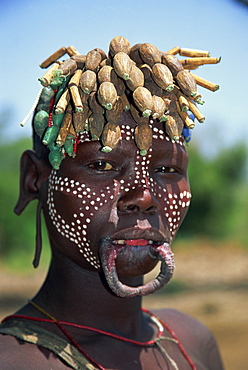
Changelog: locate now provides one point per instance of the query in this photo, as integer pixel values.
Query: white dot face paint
(75, 201)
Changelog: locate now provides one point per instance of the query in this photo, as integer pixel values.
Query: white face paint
(74, 226)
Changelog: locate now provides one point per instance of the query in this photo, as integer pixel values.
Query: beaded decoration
(90, 92)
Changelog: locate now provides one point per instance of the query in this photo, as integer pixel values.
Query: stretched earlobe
(38, 236)
(33, 172)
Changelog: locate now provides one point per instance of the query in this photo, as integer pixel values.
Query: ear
(34, 172)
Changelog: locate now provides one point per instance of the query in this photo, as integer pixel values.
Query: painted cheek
(174, 199)
(176, 206)
(72, 207)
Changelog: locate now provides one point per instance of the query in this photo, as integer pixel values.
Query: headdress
(90, 92)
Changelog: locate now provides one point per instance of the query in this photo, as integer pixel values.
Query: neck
(71, 293)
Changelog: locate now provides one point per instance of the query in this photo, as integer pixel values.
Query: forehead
(161, 143)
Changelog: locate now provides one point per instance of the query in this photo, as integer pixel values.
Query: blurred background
(211, 250)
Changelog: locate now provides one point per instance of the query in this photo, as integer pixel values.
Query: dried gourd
(135, 54)
(110, 137)
(88, 81)
(187, 83)
(163, 76)
(122, 65)
(96, 125)
(143, 137)
(95, 107)
(172, 62)
(93, 60)
(146, 70)
(149, 82)
(172, 129)
(150, 54)
(136, 78)
(84, 97)
(167, 102)
(107, 95)
(120, 86)
(143, 100)
(153, 87)
(137, 116)
(106, 62)
(117, 44)
(159, 108)
(107, 74)
(103, 54)
(114, 114)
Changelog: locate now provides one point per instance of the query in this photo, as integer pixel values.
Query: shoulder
(15, 354)
(194, 336)
(182, 322)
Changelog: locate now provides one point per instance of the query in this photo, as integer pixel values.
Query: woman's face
(118, 209)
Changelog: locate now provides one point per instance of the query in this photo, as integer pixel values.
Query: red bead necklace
(161, 325)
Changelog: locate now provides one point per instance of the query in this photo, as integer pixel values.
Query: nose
(138, 200)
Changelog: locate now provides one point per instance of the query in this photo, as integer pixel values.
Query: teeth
(120, 242)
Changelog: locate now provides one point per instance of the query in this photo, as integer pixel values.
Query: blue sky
(32, 30)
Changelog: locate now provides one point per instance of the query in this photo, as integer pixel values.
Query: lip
(135, 242)
(142, 234)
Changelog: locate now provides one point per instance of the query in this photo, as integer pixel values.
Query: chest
(113, 355)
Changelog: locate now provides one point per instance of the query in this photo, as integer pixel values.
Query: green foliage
(219, 195)
(17, 233)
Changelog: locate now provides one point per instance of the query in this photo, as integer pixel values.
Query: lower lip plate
(108, 254)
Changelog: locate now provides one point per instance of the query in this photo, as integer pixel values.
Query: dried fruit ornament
(89, 92)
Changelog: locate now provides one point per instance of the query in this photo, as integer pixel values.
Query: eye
(101, 166)
(165, 169)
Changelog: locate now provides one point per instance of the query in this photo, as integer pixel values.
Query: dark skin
(77, 292)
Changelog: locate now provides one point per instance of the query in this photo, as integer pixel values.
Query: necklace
(161, 325)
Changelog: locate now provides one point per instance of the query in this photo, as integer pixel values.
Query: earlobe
(33, 172)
